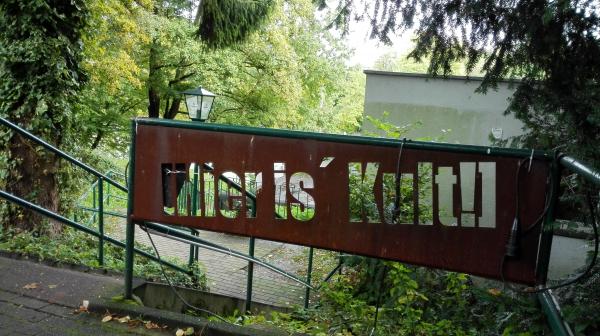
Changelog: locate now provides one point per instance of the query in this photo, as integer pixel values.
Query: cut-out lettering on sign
(427, 207)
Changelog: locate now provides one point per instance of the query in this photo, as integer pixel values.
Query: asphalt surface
(37, 299)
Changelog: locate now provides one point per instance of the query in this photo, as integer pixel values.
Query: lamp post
(199, 102)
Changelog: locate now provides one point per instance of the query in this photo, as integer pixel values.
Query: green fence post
(130, 230)
(193, 248)
(101, 221)
(250, 276)
(548, 225)
(94, 203)
(308, 277)
(109, 174)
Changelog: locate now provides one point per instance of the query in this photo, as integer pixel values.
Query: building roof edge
(428, 76)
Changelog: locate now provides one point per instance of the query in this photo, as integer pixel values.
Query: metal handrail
(176, 234)
(547, 300)
(52, 215)
(60, 153)
(580, 168)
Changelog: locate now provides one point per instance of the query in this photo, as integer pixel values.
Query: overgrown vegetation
(411, 301)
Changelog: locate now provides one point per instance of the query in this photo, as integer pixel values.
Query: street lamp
(199, 103)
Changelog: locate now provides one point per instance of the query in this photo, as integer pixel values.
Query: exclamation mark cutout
(467, 194)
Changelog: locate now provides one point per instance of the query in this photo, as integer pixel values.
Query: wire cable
(381, 283)
(594, 257)
(173, 288)
(549, 197)
(516, 232)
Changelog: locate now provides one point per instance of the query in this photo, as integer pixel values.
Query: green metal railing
(547, 300)
(100, 180)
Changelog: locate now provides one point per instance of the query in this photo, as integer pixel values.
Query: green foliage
(40, 54)
(289, 74)
(361, 203)
(74, 247)
(412, 301)
(579, 300)
(286, 72)
(225, 22)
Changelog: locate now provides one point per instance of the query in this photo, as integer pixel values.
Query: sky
(367, 51)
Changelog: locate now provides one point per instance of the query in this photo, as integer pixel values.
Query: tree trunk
(153, 102)
(173, 109)
(33, 176)
(153, 95)
(98, 138)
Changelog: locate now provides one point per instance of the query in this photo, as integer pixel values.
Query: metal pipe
(109, 175)
(580, 168)
(543, 259)
(360, 140)
(58, 152)
(552, 310)
(130, 229)
(119, 197)
(194, 211)
(101, 221)
(167, 232)
(106, 212)
(47, 213)
(94, 201)
(250, 277)
(335, 269)
(87, 192)
(308, 277)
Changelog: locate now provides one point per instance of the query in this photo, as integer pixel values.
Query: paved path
(39, 300)
(227, 275)
(21, 315)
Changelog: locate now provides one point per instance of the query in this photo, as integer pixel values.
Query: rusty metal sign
(441, 206)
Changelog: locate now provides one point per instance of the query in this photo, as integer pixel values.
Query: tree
(552, 47)
(40, 53)
(170, 63)
(290, 73)
(113, 94)
(393, 61)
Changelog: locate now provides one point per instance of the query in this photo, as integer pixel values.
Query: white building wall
(448, 109)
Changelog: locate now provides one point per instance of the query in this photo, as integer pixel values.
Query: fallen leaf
(135, 323)
(32, 285)
(52, 286)
(494, 291)
(151, 325)
(107, 318)
(81, 309)
(124, 319)
(179, 332)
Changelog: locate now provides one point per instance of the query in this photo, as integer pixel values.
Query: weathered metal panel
(164, 156)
